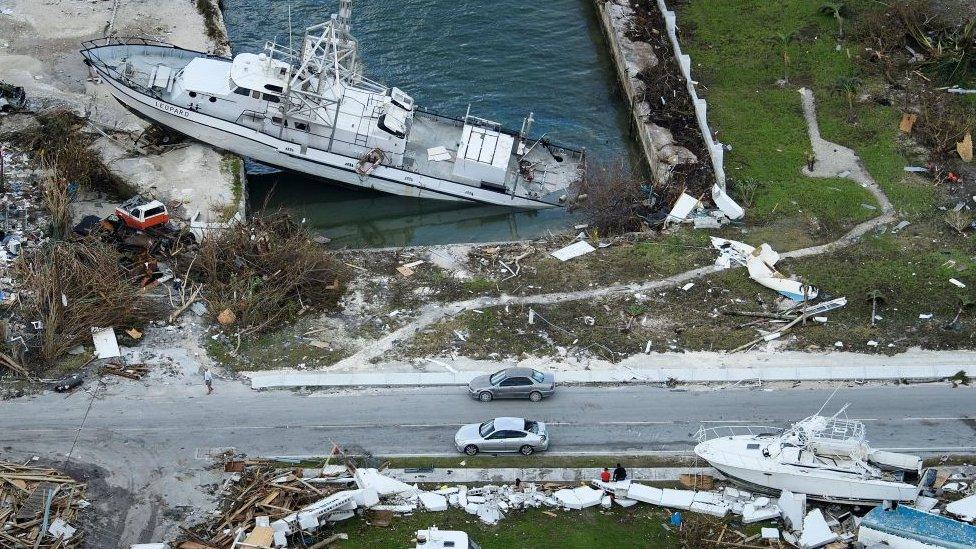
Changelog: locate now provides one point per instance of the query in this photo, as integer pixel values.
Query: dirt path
(833, 160)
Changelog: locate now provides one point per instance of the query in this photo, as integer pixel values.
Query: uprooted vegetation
(71, 287)
(58, 139)
(259, 275)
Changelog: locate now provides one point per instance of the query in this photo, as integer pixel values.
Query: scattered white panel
(575, 249)
(646, 494)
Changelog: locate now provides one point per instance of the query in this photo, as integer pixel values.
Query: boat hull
(819, 487)
(322, 164)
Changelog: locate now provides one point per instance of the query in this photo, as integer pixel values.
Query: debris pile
(264, 273)
(39, 508)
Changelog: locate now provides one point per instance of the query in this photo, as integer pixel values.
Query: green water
(505, 58)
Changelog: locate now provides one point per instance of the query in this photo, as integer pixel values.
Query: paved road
(594, 420)
(151, 442)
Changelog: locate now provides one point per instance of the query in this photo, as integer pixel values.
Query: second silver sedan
(502, 434)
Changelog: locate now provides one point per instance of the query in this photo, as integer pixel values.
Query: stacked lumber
(39, 508)
(263, 494)
(131, 371)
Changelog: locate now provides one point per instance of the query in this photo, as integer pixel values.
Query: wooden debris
(697, 481)
(26, 492)
(131, 371)
(907, 122)
(263, 490)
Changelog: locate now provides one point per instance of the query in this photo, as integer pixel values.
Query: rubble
(760, 263)
(35, 498)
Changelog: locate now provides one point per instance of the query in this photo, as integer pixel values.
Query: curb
(616, 375)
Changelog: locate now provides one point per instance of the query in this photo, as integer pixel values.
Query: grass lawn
(738, 60)
(594, 528)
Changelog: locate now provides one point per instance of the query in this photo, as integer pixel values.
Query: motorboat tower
(312, 110)
(826, 458)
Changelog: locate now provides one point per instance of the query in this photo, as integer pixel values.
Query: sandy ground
(39, 44)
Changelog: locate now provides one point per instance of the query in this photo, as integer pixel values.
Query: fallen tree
(71, 287)
(265, 272)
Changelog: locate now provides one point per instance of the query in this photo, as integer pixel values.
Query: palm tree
(837, 10)
(876, 297)
(965, 302)
(782, 41)
(848, 86)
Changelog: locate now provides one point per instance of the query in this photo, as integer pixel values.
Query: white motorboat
(313, 111)
(825, 457)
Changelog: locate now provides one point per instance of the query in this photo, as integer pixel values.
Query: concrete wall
(644, 128)
(638, 123)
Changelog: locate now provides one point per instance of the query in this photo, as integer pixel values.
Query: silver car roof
(509, 424)
(518, 371)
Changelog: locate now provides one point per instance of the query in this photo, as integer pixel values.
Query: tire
(485, 396)
(535, 396)
(526, 450)
(471, 450)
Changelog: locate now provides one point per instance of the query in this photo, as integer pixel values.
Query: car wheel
(526, 450)
(535, 396)
(471, 449)
(485, 396)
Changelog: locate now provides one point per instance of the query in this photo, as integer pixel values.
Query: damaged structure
(825, 457)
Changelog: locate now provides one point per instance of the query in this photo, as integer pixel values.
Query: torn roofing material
(760, 263)
(918, 526)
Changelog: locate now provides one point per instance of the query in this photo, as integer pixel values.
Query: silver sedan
(502, 434)
(513, 383)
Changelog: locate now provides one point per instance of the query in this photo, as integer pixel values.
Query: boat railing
(721, 431)
(93, 57)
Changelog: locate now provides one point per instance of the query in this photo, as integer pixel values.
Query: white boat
(313, 111)
(825, 457)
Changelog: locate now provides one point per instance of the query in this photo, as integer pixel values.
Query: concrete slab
(677, 499)
(646, 494)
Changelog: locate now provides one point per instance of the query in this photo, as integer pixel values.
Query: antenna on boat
(345, 13)
(826, 401)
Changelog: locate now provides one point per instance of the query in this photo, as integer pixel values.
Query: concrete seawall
(613, 30)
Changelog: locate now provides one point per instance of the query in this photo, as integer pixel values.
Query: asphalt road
(628, 419)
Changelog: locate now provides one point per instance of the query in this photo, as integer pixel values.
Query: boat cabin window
(274, 88)
(272, 98)
(242, 91)
(255, 94)
(301, 126)
(752, 446)
(278, 121)
(192, 94)
(213, 99)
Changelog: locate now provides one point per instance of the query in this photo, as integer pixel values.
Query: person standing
(208, 380)
(605, 475)
(619, 473)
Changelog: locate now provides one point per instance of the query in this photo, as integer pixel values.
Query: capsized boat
(312, 110)
(825, 457)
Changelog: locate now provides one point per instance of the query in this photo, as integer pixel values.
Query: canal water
(503, 57)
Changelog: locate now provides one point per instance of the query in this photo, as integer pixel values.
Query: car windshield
(538, 377)
(496, 377)
(486, 428)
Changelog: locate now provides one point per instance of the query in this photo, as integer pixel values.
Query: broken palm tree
(265, 272)
(74, 286)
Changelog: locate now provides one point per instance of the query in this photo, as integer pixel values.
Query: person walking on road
(208, 380)
(605, 475)
(619, 473)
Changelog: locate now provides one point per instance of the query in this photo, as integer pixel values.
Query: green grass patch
(639, 526)
(738, 59)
